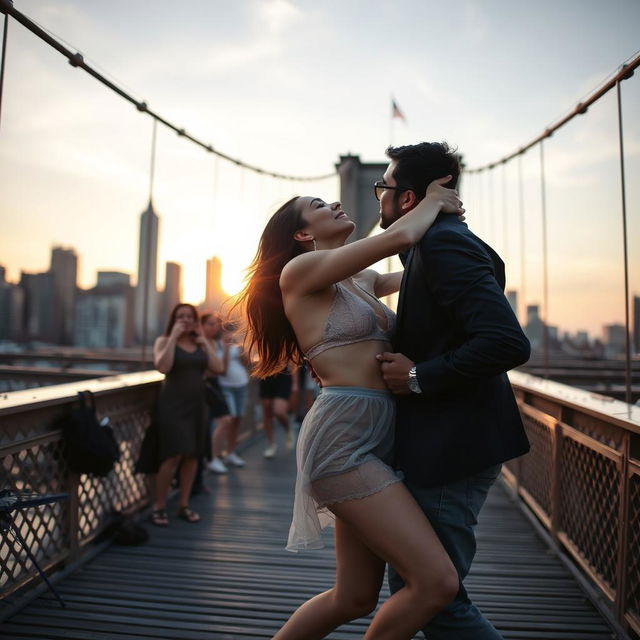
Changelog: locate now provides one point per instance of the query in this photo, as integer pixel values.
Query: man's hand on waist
(395, 369)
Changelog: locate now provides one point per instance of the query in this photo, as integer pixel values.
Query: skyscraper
(214, 295)
(534, 329)
(104, 314)
(38, 306)
(11, 309)
(172, 289)
(615, 340)
(64, 273)
(512, 297)
(147, 299)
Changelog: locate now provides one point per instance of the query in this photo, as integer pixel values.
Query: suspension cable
(3, 56)
(77, 60)
(624, 73)
(625, 247)
(545, 262)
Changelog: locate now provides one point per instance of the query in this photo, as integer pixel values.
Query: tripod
(10, 502)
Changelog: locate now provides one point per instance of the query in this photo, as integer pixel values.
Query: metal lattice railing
(32, 461)
(582, 480)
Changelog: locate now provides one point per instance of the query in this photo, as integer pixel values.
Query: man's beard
(396, 214)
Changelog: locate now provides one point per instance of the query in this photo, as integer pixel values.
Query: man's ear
(302, 236)
(408, 201)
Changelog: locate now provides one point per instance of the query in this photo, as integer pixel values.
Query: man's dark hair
(417, 165)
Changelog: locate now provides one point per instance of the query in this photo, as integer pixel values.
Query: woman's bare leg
(220, 436)
(267, 418)
(188, 470)
(359, 575)
(164, 477)
(232, 434)
(392, 525)
(281, 412)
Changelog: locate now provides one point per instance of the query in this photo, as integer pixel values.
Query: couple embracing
(416, 413)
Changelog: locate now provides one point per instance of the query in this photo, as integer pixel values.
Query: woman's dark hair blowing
(417, 165)
(174, 313)
(269, 333)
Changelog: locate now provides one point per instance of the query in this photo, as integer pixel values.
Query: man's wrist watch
(413, 383)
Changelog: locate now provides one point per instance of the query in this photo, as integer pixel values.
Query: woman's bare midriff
(353, 365)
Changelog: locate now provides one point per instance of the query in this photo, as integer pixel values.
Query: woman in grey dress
(310, 294)
(183, 355)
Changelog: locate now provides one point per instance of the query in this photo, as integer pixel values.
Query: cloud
(475, 24)
(278, 15)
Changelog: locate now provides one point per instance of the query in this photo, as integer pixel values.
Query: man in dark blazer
(456, 338)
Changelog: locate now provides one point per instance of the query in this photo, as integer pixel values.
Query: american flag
(395, 111)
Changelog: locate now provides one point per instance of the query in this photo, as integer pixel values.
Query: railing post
(623, 531)
(556, 476)
(73, 482)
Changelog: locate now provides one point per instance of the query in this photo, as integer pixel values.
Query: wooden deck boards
(230, 578)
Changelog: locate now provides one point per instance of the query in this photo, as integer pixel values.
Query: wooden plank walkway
(230, 578)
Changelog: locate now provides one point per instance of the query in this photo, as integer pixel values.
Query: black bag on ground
(124, 530)
(90, 447)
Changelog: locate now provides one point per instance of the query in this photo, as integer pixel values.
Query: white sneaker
(234, 460)
(217, 466)
(270, 451)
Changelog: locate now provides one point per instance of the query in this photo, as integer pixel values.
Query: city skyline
(77, 172)
(214, 296)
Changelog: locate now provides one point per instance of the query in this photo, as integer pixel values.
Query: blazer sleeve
(461, 276)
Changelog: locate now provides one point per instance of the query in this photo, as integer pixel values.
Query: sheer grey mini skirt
(344, 451)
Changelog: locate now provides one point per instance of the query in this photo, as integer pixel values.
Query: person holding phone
(182, 354)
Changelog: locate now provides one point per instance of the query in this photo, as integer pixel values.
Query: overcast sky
(289, 85)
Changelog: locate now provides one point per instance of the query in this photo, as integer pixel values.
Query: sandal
(160, 518)
(188, 514)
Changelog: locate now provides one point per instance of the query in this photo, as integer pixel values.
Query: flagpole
(391, 124)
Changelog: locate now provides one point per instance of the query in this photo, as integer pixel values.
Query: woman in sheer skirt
(311, 295)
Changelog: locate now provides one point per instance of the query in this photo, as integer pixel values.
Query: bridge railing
(32, 460)
(582, 480)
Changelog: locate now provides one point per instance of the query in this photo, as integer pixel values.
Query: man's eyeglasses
(379, 187)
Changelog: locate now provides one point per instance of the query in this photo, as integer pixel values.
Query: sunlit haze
(289, 86)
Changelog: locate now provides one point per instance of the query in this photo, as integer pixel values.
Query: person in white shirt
(233, 384)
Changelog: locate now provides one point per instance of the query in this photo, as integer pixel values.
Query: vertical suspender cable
(492, 213)
(147, 257)
(523, 262)
(628, 395)
(4, 55)
(216, 169)
(545, 279)
(505, 215)
(481, 215)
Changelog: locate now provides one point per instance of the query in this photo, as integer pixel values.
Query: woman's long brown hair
(269, 334)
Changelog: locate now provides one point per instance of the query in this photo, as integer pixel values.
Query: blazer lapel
(403, 290)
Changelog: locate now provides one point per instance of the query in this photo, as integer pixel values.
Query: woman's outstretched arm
(316, 270)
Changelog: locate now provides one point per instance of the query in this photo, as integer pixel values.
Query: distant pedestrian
(182, 354)
(275, 395)
(216, 404)
(233, 384)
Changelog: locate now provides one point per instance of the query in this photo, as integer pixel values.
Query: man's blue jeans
(453, 512)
